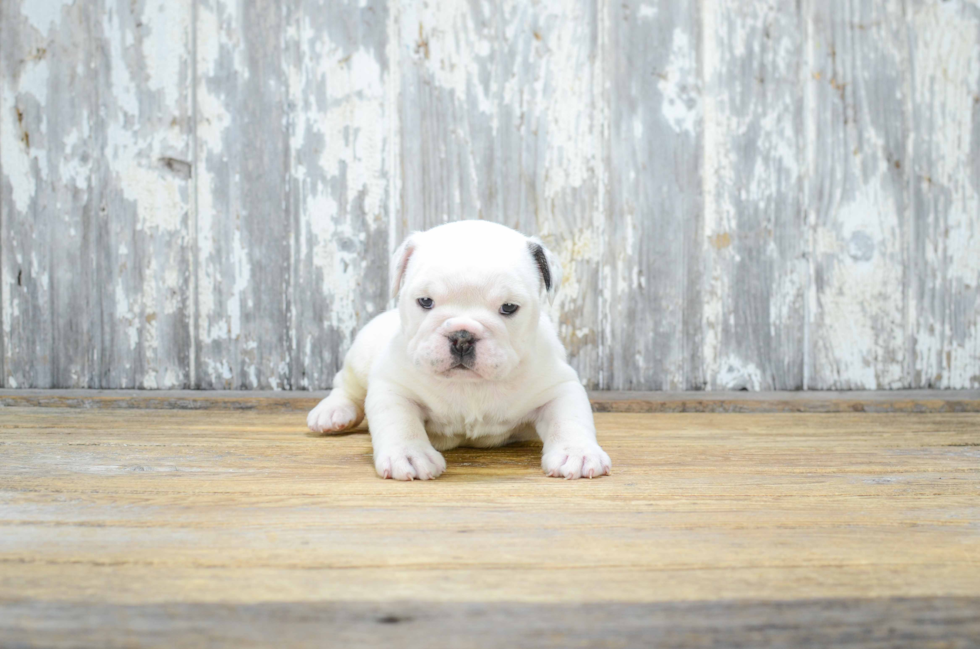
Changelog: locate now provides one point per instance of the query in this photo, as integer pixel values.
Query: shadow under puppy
(468, 358)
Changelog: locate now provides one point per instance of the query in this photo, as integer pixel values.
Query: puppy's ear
(548, 267)
(399, 263)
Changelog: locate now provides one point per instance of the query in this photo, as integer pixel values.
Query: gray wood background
(755, 194)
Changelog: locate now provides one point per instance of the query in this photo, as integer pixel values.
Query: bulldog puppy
(468, 358)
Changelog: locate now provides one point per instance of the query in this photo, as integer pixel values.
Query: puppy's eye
(509, 309)
(425, 302)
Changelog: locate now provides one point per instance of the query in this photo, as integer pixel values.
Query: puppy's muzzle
(462, 344)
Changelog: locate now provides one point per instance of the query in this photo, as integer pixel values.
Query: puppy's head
(470, 296)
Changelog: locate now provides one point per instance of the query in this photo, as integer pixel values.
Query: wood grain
(755, 271)
(339, 187)
(933, 622)
(858, 195)
(768, 195)
(944, 279)
(652, 267)
(96, 194)
(243, 231)
(118, 513)
(498, 121)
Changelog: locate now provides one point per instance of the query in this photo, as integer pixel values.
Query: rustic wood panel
(96, 193)
(845, 623)
(858, 200)
(944, 277)
(244, 231)
(653, 264)
(499, 120)
(754, 241)
(204, 193)
(49, 237)
(143, 257)
(106, 509)
(339, 179)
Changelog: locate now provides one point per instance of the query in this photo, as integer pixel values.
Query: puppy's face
(470, 297)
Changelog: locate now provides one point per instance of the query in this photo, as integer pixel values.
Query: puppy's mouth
(461, 367)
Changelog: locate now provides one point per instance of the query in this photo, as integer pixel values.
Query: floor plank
(923, 623)
(143, 516)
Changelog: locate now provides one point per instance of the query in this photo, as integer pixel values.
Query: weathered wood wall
(761, 195)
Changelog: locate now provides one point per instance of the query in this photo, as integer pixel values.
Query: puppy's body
(449, 367)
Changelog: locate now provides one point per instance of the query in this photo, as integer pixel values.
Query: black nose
(463, 343)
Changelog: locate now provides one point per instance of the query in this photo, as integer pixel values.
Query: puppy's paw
(411, 461)
(576, 461)
(333, 415)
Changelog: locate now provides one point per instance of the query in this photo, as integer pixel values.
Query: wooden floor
(239, 528)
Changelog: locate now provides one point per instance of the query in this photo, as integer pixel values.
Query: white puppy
(469, 358)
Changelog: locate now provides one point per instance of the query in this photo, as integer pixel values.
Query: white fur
(399, 371)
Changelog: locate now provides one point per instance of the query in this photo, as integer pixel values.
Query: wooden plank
(96, 151)
(129, 257)
(755, 270)
(499, 120)
(944, 282)
(849, 623)
(857, 196)
(907, 401)
(340, 179)
(107, 512)
(143, 255)
(244, 227)
(652, 269)
(49, 238)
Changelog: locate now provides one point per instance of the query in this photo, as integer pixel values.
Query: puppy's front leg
(402, 449)
(566, 427)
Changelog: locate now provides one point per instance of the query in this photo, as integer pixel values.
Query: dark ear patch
(537, 252)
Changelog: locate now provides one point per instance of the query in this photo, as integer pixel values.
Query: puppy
(468, 358)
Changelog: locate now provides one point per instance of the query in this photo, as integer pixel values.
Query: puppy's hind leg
(344, 408)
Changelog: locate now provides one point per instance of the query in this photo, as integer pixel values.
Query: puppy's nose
(463, 342)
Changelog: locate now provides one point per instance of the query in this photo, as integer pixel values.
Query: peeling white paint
(861, 305)
(737, 374)
(42, 15)
(526, 75)
(718, 217)
(946, 91)
(215, 25)
(241, 262)
(168, 38)
(570, 157)
(680, 86)
(445, 37)
(352, 127)
(647, 12)
(125, 313)
(15, 157)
